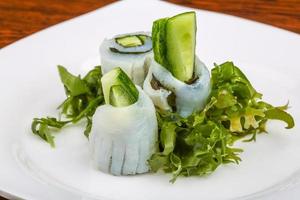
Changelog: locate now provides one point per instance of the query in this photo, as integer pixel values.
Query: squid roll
(169, 93)
(124, 134)
(177, 79)
(128, 51)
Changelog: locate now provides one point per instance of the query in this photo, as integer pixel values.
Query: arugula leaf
(84, 95)
(74, 84)
(88, 126)
(199, 144)
(93, 81)
(41, 127)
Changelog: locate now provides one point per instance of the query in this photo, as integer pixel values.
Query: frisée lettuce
(192, 146)
(197, 145)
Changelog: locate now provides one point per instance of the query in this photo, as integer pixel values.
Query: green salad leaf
(197, 145)
(83, 96)
(244, 112)
(74, 85)
(41, 127)
(279, 114)
(192, 146)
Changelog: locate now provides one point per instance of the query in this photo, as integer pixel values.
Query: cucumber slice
(143, 38)
(129, 41)
(117, 77)
(174, 41)
(181, 42)
(119, 97)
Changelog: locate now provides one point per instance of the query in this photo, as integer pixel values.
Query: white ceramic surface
(30, 87)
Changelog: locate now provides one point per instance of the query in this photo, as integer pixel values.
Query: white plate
(30, 87)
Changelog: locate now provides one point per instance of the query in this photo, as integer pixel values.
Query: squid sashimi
(124, 134)
(128, 51)
(171, 92)
(177, 79)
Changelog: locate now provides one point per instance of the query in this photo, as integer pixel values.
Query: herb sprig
(83, 96)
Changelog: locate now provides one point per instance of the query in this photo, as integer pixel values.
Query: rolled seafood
(177, 80)
(128, 51)
(188, 97)
(124, 136)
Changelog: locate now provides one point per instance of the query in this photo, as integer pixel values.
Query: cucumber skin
(158, 42)
(114, 50)
(128, 85)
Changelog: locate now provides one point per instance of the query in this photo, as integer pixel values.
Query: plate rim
(36, 34)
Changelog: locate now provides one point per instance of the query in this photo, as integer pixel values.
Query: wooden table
(19, 18)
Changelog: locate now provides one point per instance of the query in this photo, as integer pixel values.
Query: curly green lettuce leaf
(239, 106)
(279, 114)
(199, 144)
(192, 146)
(168, 137)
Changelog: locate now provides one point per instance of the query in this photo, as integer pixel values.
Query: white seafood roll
(128, 51)
(123, 138)
(188, 97)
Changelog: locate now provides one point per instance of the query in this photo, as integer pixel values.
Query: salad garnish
(83, 96)
(185, 121)
(197, 145)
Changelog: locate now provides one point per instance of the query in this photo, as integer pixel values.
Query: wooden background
(19, 18)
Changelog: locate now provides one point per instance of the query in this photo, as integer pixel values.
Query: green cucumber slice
(129, 41)
(119, 97)
(126, 95)
(174, 42)
(131, 44)
(143, 38)
(181, 42)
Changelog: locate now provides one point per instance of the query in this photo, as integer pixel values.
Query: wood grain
(19, 18)
(281, 13)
